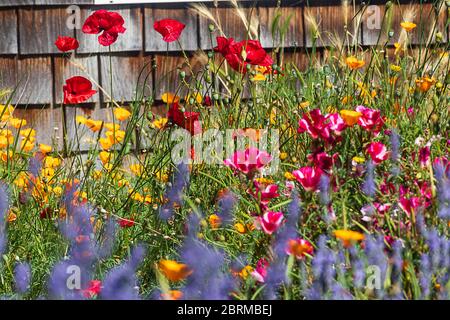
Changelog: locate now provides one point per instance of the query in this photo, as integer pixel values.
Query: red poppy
(188, 120)
(46, 213)
(65, 44)
(239, 54)
(126, 223)
(77, 90)
(110, 23)
(94, 289)
(170, 29)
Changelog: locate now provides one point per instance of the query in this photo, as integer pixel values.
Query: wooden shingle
(125, 74)
(294, 34)
(8, 27)
(229, 24)
(39, 29)
(34, 76)
(8, 77)
(334, 24)
(46, 121)
(188, 39)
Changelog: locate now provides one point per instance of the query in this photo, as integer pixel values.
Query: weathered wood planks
(34, 81)
(125, 73)
(39, 29)
(153, 40)
(8, 27)
(46, 121)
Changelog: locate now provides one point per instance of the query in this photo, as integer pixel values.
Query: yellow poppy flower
(172, 295)
(197, 97)
(348, 237)
(214, 221)
(395, 68)
(26, 145)
(45, 148)
(159, 123)
(5, 112)
(93, 125)
(80, 119)
(115, 136)
(350, 117)
(259, 77)
(425, 83)
(408, 26)
(106, 143)
(239, 228)
(4, 156)
(121, 114)
(17, 123)
(173, 270)
(112, 126)
(105, 156)
(3, 142)
(169, 97)
(353, 63)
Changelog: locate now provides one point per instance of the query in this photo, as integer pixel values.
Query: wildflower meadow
(258, 178)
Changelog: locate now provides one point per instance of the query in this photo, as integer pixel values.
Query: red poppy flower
(188, 120)
(170, 29)
(239, 54)
(94, 289)
(46, 213)
(110, 23)
(126, 223)
(65, 44)
(77, 90)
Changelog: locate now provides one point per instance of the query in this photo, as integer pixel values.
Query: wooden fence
(30, 62)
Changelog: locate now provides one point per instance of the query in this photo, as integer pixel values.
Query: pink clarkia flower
(260, 272)
(315, 124)
(370, 119)
(299, 248)
(411, 204)
(248, 161)
(444, 162)
(270, 221)
(336, 123)
(322, 160)
(308, 177)
(94, 289)
(378, 152)
(424, 156)
(264, 192)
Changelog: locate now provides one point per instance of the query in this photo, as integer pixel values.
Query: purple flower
(174, 194)
(22, 276)
(369, 187)
(226, 205)
(121, 282)
(4, 204)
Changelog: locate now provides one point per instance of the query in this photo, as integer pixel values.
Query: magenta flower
(248, 161)
(264, 192)
(308, 177)
(370, 120)
(410, 205)
(315, 124)
(336, 123)
(424, 156)
(260, 272)
(378, 152)
(270, 221)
